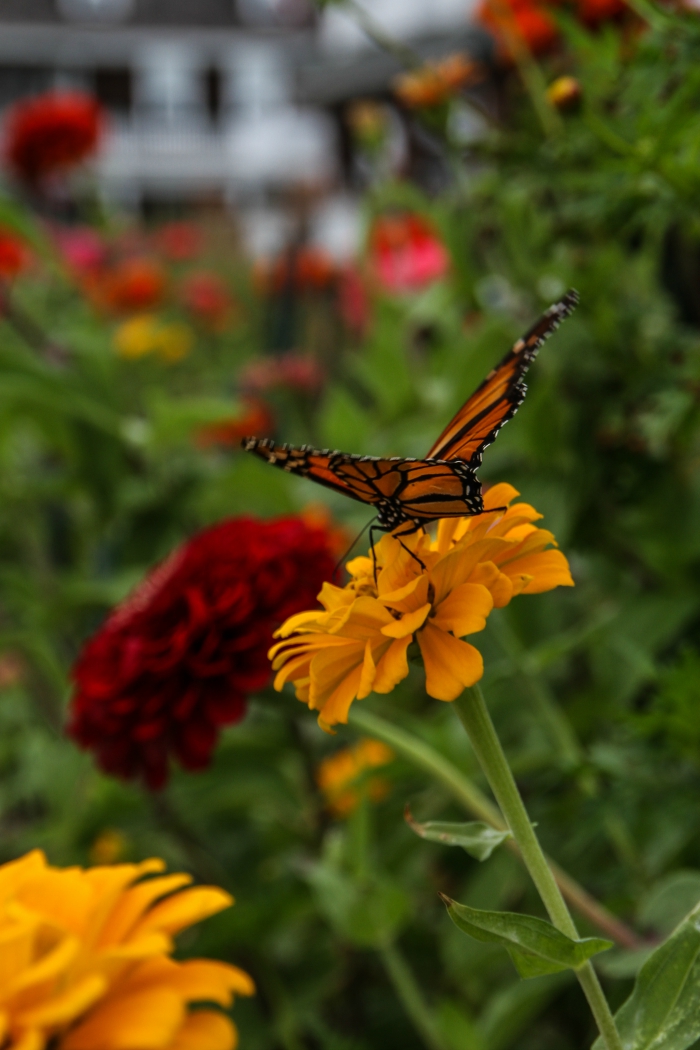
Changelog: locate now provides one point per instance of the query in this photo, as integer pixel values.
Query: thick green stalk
(476, 719)
(478, 805)
(411, 997)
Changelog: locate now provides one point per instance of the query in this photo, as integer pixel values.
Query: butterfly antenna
(359, 536)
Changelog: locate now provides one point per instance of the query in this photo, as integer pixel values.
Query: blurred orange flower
(339, 773)
(133, 284)
(435, 82)
(256, 418)
(305, 269)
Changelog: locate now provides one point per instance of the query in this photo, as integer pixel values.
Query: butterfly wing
(500, 395)
(405, 489)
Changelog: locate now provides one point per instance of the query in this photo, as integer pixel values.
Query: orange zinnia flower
(358, 643)
(341, 776)
(86, 960)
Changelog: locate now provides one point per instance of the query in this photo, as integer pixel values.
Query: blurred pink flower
(294, 371)
(82, 248)
(405, 252)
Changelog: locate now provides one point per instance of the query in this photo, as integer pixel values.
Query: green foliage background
(595, 691)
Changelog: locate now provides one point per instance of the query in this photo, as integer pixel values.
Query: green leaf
(476, 838)
(663, 1011)
(368, 912)
(535, 946)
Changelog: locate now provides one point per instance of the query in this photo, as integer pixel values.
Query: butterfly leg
(412, 528)
(372, 530)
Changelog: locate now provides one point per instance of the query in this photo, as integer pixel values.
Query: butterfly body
(403, 491)
(414, 492)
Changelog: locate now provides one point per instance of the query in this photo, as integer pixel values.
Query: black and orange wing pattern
(401, 489)
(500, 395)
(444, 484)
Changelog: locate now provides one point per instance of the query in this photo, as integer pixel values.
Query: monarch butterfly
(414, 492)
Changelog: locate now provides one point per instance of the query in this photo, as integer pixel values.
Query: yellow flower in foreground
(358, 642)
(339, 773)
(147, 334)
(85, 960)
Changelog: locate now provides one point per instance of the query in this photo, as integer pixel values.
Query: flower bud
(565, 94)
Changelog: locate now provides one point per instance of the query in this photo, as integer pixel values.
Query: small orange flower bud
(565, 94)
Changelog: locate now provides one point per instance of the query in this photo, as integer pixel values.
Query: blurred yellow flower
(147, 334)
(339, 773)
(85, 960)
(358, 643)
(109, 846)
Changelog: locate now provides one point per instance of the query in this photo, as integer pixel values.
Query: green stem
(476, 719)
(478, 805)
(411, 997)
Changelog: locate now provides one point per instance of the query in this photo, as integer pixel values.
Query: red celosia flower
(134, 284)
(179, 658)
(255, 419)
(405, 252)
(531, 21)
(206, 296)
(51, 133)
(14, 254)
(298, 372)
(180, 241)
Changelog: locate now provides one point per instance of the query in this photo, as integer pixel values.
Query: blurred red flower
(178, 659)
(306, 269)
(206, 296)
(531, 21)
(298, 372)
(593, 12)
(132, 285)
(353, 301)
(14, 254)
(405, 252)
(180, 241)
(256, 419)
(81, 247)
(51, 133)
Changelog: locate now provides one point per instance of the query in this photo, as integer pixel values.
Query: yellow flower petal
(408, 624)
(183, 909)
(147, 1020)
(135, 902)
(548, 569)
(367, 676)
(393, 666)
(499, 495)
(465, 610)
(336, 707)
(451, 665)
(32, 1039)
(65, 1007)
(205, 1030)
